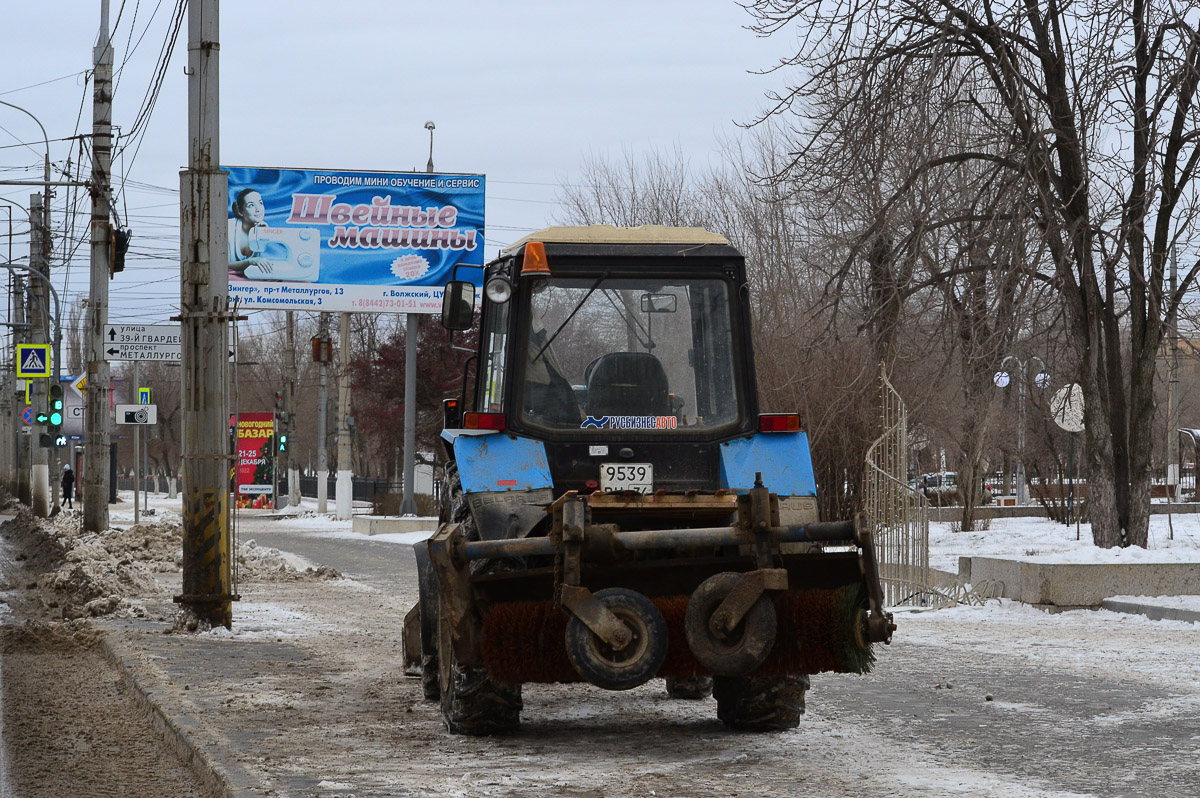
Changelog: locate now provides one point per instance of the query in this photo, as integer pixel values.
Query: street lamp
(429, 126)
(1041, 380)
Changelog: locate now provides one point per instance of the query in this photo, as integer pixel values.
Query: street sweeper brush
(817, 632)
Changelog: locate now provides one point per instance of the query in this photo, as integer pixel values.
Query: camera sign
(137, 414)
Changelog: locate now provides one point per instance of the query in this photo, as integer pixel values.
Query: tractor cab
(625, 351)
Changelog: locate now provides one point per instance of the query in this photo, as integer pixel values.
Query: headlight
(498, 290)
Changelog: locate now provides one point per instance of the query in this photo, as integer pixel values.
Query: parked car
(941, 489)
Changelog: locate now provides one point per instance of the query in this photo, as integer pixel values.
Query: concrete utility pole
(205, 317)
(24, 490)
(289, 409)
(345, 476)
(20, 444)
(95, 481)
(323, 420)
(39, 320)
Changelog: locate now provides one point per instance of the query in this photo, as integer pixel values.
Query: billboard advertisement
(378, 242)
(254, 469)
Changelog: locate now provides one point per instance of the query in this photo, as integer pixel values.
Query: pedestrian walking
(68, 485)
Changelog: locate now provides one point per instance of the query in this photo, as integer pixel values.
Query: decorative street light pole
(1041, 380)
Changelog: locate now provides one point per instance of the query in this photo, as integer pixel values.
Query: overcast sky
(522, 91)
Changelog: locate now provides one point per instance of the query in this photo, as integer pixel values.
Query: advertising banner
(307, 239)
(254, 470)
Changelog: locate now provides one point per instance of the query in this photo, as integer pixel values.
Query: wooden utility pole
(94, 486)
(204, 323)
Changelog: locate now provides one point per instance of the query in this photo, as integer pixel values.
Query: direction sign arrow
(145, 342)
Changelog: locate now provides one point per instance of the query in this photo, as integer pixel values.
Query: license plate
(627, 476)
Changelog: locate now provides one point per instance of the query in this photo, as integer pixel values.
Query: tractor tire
(453, 509)
(744, 648)
(689, 689)
(632, 666)
(471, 702)
(760, 703)
(427, 605)
(474, 704)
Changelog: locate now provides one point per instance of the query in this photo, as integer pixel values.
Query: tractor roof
(608, 234)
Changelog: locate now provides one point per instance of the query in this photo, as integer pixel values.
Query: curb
(1151, 611)
(182, 731)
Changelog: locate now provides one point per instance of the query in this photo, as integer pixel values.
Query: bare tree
(1095, 106)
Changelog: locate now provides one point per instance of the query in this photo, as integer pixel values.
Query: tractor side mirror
(458, 305)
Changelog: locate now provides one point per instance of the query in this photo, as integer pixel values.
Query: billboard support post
(323, 422)
(343, 501)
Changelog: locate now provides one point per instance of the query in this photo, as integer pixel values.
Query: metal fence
(898, 514)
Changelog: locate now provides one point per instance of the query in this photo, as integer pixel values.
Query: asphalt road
(962, 702)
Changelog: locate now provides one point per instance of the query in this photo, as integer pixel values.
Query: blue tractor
(616, 508)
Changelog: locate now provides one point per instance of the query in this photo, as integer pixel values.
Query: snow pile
(103, 573)
(91, 574)
(263, 564)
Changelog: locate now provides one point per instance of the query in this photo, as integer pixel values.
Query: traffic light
(283, 442)
(119, 242)
(56, 406)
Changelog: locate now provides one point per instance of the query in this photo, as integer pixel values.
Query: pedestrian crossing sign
(33, 360)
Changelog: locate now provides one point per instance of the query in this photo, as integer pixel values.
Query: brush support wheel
(746, 646)
(633, 665)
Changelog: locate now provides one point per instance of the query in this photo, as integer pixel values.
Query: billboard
(253, 474)
(318, 240)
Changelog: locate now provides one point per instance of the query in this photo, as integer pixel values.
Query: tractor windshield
(628, 354)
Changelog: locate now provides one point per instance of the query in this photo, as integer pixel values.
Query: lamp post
(430, 127)
(408, 503)
(1042, 380)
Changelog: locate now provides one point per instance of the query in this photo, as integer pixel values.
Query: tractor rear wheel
(760, 703)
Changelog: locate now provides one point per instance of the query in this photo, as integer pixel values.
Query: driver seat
(627, 384)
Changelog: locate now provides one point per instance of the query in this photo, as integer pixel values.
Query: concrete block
(1082, 584)
(1151, 611)
(384, 524)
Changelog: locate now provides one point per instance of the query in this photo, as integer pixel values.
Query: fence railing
(898, 514)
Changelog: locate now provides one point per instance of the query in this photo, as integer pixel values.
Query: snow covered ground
(1174, 538)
